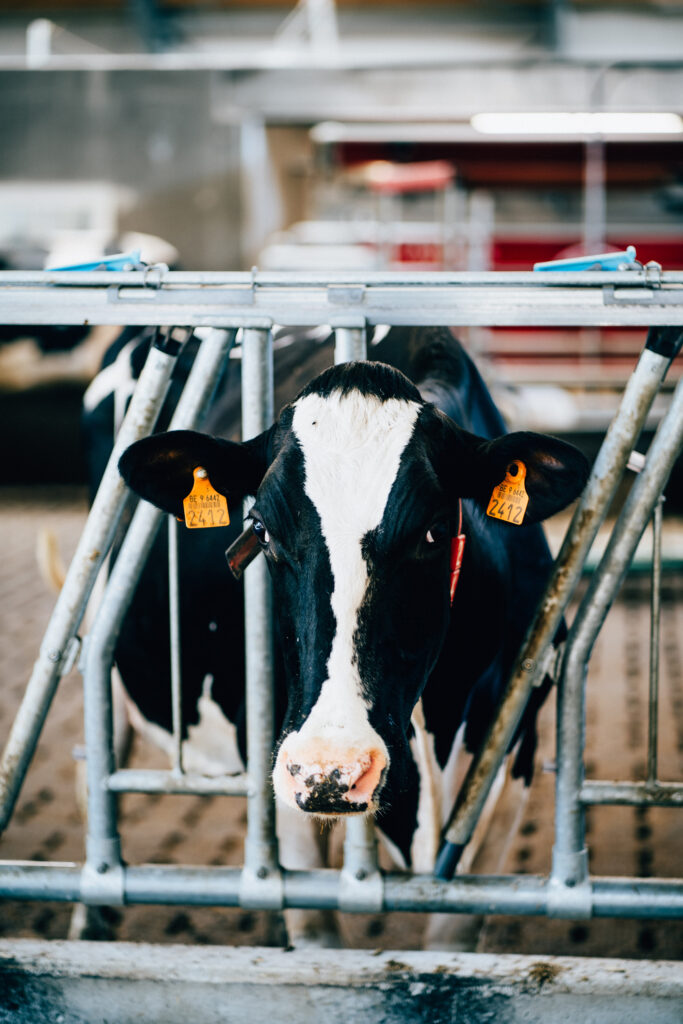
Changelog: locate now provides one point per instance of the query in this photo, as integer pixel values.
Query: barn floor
(193, 830)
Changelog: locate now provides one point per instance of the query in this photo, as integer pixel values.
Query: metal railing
(254, 302)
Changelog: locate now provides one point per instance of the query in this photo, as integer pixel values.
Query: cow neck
(457, 551)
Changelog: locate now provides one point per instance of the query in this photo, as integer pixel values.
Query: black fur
(408, 641)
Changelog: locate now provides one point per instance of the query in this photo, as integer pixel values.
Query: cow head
(357, 487)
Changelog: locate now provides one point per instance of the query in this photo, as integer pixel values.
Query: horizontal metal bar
(240, 55)
(149, 279)
(129, 780)
(476, 894)
(31, 880)
(635, 794)
(237, 300)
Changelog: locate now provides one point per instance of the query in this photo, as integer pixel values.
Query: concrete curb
(122, 983)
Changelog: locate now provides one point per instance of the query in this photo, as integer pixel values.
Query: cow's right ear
(160, 467)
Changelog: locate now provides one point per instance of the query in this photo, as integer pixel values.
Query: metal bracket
(71, 652)
(573, 902)
(66, 659)
(650, 296)
(153, 275)
(262, 889)
(345, 294)
(164, 296)
(570, 893)
(361, 893)
(545, 665)
(103, 885)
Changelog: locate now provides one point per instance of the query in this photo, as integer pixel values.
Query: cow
(367, 477)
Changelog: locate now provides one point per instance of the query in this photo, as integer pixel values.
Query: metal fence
(251, 304)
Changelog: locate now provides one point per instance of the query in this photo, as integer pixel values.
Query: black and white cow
(359, 488)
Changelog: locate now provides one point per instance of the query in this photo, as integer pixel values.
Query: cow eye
(262, 534)
(436, 533)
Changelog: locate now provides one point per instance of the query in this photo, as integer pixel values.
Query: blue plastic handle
(120, 261)
(603, 261)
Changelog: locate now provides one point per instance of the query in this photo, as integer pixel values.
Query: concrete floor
(195, 830)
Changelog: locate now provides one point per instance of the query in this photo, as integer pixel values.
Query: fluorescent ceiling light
(577, 124)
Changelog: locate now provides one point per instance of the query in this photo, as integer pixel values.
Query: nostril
(369, 777)
(331, 780)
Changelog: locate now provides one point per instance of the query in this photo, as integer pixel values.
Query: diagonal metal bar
(570, 859)
(92, 548)
(531, 664)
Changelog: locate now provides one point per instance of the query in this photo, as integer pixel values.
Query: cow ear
(556, 472)
(160, 467)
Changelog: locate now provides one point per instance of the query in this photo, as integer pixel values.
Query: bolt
(361, 874)
(262, 873)
(528, 664)
(102, 868)
(54, 656)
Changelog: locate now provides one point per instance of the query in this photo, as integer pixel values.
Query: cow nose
(339, 785)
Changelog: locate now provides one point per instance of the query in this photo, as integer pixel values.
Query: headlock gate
(242, 308)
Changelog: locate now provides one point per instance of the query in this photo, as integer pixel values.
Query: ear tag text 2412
(509, 498)
(204, 507)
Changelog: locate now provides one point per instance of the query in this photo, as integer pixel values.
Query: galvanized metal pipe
(220, 886)
(360, 844)
(632, 794)
(349, 344)
(655, 623)
(531, 666)
(360, 847)
(346, 300)
(80, 578)
(260, 854)
(361, 884)
(175, 646)
(482, 894)
(103, 845)
(141, 780)
(299, 280)
(569, 855)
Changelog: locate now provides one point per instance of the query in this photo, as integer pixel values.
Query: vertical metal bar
(361, 885)
(260, 855)
(175, 644)
(349, 344)
(360, 845)
(569, 854)
(655, 622)
(102, 846)
(80, 578)
(531, 666)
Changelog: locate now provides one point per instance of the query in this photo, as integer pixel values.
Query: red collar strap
(457, 551)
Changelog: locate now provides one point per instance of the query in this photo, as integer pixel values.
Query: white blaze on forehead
(352, 446)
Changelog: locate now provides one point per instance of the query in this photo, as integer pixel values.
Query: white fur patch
(426, 840)
(113, 379)
(352, 446)
(211, 745)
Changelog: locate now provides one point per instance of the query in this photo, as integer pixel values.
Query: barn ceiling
(440, 60)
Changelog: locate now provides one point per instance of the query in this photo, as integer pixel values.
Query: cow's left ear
(160, 467)
(556, 472)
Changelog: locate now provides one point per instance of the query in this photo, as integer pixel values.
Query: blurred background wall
(219, 134)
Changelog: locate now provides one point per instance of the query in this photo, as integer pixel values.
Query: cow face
(357, 488)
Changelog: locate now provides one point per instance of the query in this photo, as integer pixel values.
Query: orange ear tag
(204, 507)
(509, 499)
